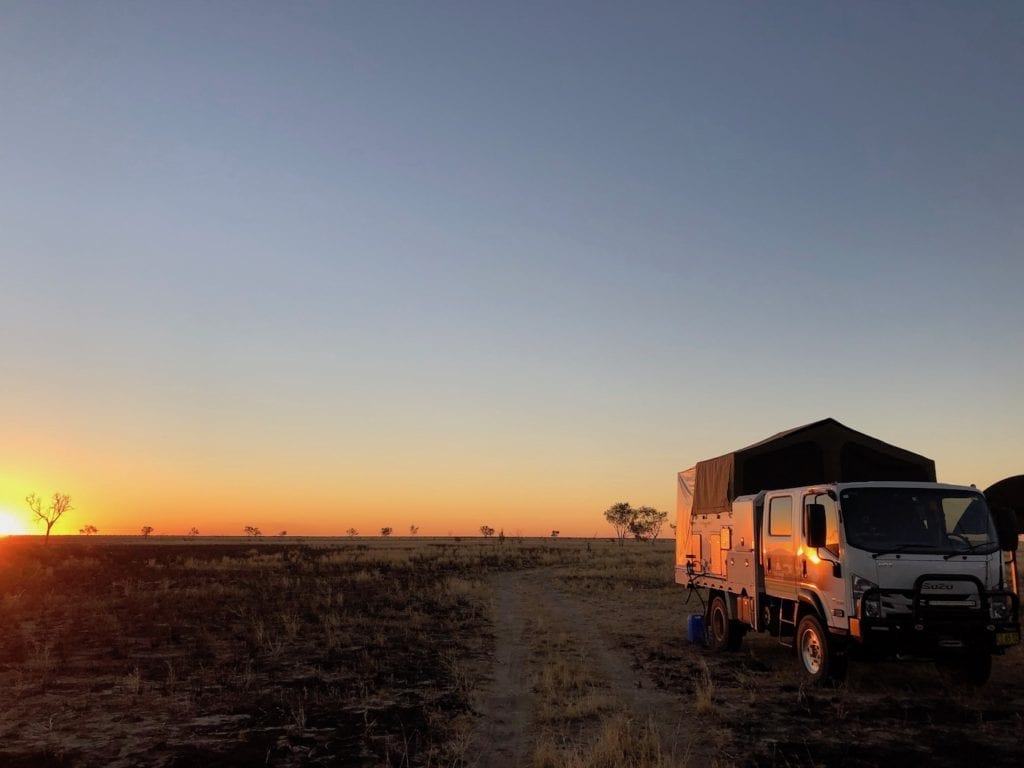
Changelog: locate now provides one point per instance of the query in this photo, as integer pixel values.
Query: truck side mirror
(1006, 527)
(816, 528)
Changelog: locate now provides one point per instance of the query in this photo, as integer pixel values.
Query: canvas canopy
(822, 452)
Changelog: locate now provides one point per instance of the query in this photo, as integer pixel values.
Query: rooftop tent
(1008, 493)
(822, 452)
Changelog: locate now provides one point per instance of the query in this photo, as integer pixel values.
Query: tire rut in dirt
(509, 726)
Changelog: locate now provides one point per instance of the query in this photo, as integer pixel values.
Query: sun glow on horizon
(11, 524)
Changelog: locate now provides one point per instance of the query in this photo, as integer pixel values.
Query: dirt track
(509, 726)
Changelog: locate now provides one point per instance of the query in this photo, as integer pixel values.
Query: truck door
(819, 567)
(780, 574)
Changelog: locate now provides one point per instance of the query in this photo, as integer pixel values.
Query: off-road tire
(814, 652)
(723, 633)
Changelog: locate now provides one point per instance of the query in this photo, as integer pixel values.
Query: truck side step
(787, 626)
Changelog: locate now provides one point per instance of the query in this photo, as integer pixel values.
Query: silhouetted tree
(486, 531)
(620, 515)
(146, 530)
(193, 531)
(413, 530)
(88, 530)
(283, 533)
(658, 520)
(252, 530)
(554, 534)
(60, 504)
(352, 532)
(646, 523)
(385, 531)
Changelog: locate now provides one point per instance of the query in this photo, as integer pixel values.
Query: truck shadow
(761, 712)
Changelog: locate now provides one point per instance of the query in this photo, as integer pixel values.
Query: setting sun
(11, 524)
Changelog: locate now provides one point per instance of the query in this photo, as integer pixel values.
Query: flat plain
(433, 652)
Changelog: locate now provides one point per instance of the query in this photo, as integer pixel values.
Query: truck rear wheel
(816, 655)
(724, 634)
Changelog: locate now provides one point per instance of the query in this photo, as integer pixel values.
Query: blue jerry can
(695, 628)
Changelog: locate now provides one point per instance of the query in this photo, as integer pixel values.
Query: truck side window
(780, 516)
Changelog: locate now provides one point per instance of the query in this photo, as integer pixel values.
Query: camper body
(887, 568)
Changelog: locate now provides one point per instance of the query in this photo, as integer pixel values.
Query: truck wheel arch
(811, 603)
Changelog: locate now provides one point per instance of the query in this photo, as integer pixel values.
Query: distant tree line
(640, 522)
(642, 525)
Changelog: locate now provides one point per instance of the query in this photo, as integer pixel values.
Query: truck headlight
(999, 607)
(870, 608)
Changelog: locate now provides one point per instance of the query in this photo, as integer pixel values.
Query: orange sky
(565, 487)
(455, 493)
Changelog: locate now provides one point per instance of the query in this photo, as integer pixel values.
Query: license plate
(1007, 638)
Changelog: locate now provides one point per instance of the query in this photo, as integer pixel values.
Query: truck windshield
(917, 520)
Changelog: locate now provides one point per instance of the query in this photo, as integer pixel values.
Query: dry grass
(568, 691)
(207, 652)
(704, 695)
(369, 652)
(619, 742)
(587, 718)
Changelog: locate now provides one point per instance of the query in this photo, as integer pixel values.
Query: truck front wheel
(814, 651)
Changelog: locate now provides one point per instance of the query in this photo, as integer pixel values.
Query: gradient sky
(309, 266)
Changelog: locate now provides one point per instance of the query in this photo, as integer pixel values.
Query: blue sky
(444, 261)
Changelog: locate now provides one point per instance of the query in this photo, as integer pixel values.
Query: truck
(840, 545)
